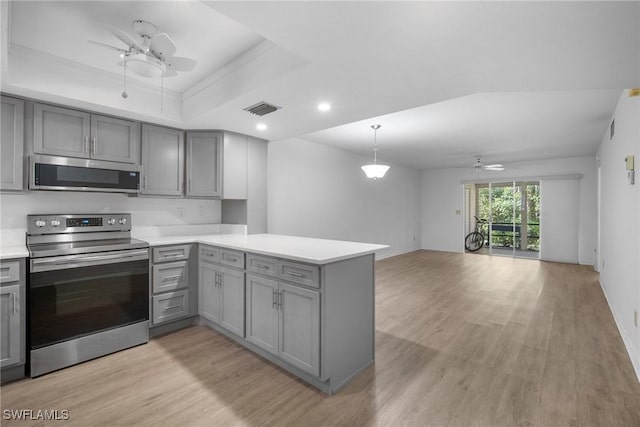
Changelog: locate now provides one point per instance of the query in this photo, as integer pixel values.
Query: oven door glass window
(70, 303)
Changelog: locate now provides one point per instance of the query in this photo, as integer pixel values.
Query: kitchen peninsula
(304, 304)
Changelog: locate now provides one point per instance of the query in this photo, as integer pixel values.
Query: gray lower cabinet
(12, 144)
(299, 328)
(221, 296)
(315, 321)
(170, 283)
(162, 161)
(204, 164)
(66, 132)
(284, 320)
(12, 316)
(10, 332)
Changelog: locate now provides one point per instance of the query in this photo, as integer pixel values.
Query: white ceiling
(64, 28)
(447, 80)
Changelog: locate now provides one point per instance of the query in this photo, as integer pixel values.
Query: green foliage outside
(502, 208)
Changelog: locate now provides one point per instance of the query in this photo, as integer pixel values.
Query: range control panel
(54, 224)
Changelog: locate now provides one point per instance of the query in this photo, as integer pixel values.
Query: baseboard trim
(635, 359)
(385, 256)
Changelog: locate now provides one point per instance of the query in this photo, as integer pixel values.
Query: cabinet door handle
(86, 144)
(281, 299)
(144, 182)
(93, 145)
(294, 274)
(275, 298)
(13, 303)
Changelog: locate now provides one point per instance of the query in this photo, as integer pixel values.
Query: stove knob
(55, 223)
(40, 223)
(111, 221)
(122, 221)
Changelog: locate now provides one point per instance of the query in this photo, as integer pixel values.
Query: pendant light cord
(375, 143)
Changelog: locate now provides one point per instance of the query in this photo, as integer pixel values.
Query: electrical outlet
(457, 211)
(635, 318)
(180, 212)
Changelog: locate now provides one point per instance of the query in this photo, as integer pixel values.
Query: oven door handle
(74, 261)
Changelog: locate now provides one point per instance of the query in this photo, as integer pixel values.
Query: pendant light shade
(375, 170)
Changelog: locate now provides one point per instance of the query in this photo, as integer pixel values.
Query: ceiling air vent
(262, 108)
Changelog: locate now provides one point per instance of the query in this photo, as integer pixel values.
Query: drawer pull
(169, 307)
(266, 267)
(170, 278)
(294, 274)
(233, 259)
(209, 254)
(173, 255)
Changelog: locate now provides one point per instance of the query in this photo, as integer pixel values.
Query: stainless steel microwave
(65, 173)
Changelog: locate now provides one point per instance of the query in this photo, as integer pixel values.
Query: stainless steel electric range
(88, 289)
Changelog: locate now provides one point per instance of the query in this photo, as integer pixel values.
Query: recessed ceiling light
(324, 106)
(261, 126)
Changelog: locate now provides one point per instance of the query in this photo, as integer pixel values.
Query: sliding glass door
(511, 211)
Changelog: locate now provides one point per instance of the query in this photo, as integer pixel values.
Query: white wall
(442, 196)
(144, 211)
(320, 191)
(619, 218)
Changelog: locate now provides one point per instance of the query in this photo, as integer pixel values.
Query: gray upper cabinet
(65, 132)
(114, 139)
(204, 164)
(61, 131)
(235, 169)
(162, 161)
(12, 144)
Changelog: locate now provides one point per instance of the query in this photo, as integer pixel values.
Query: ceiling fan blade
(178, 63)
(170, 73)
(162, 46)
(128, 40)
(108, 46)
(488, 168)
(496, 165)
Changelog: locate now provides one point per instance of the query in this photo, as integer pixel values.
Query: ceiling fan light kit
(479, 166)
(374, 170)
(152, 56)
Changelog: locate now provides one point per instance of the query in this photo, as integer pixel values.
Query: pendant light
(375, 170)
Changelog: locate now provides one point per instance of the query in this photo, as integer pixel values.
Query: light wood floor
(461, 340)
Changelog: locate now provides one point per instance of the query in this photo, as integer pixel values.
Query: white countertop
(305, 249)
(13, 251)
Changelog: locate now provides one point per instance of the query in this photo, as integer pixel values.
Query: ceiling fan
(479, 165)
(150, 53)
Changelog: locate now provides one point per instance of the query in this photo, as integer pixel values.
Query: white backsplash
(144, 211)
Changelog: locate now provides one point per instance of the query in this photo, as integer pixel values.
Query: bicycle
(474, 241)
